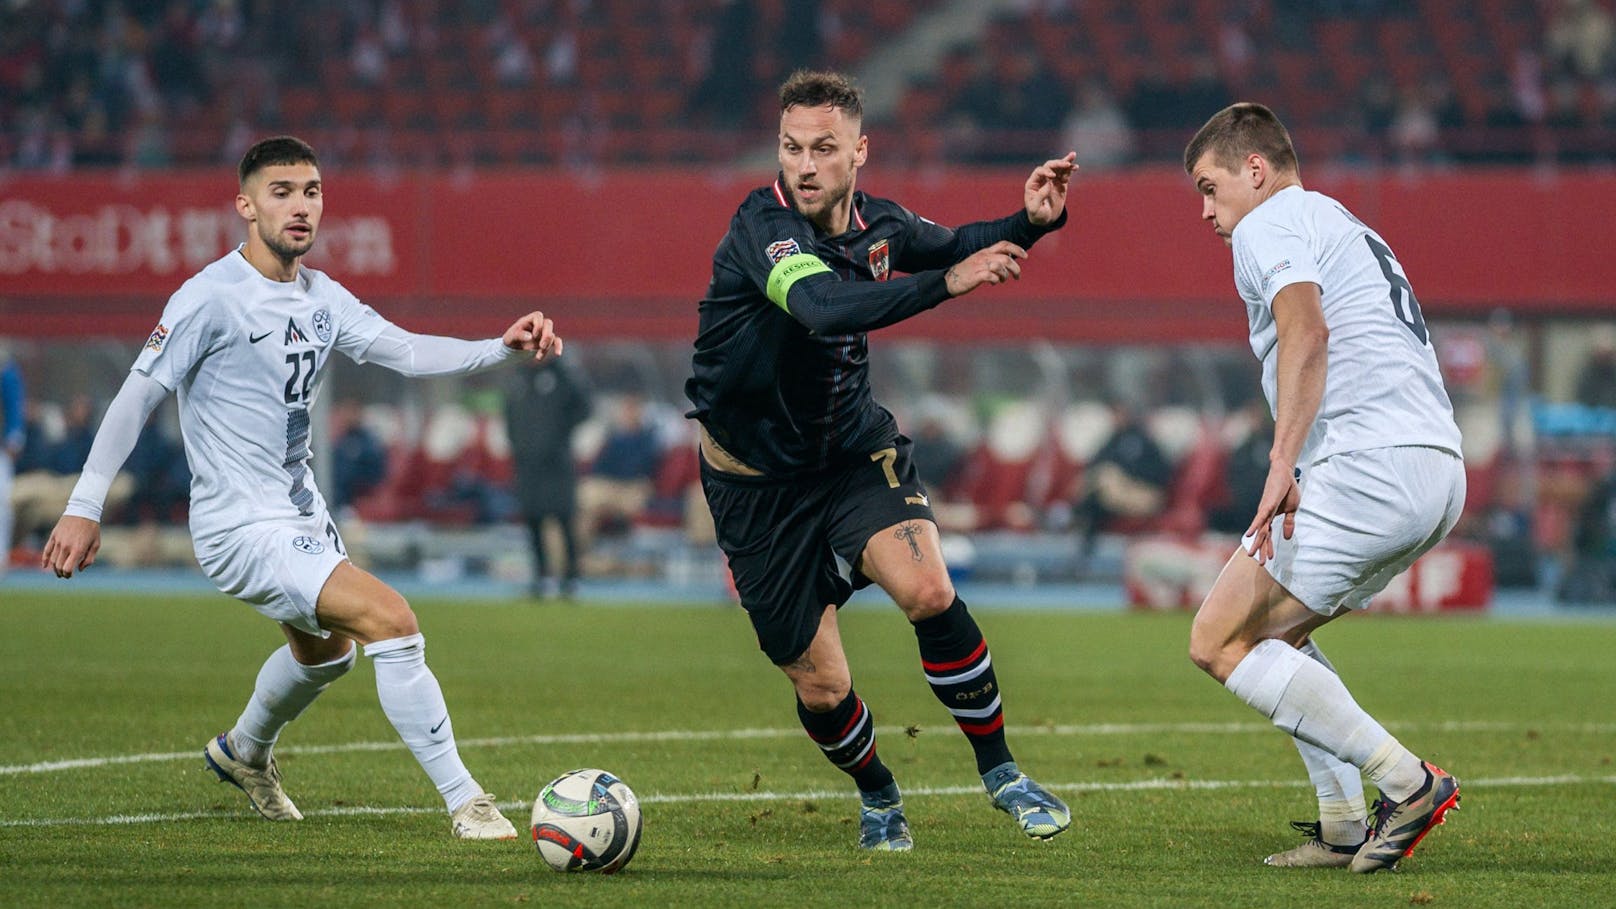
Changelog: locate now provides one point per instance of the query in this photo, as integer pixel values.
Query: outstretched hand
(1045, 193)
(994, 265)
(1281, 496)
(534, 332)
(72, 546)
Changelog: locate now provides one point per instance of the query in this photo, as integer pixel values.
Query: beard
(829, 198)
(285, 249)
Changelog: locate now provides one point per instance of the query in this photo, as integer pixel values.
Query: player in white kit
(244, 344)
(1365, 475)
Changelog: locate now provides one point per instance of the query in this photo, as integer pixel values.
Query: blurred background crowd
(98, 83)
(1045, 458)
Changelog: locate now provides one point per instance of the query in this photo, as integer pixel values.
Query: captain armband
(789, 271)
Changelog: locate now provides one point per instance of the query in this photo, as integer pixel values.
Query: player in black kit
(800, 465)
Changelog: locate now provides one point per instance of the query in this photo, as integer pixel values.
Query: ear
(861, 151)
(244, 207)
(1256, 170)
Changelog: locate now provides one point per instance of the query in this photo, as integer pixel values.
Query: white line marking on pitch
(707, 735)
(807, 795)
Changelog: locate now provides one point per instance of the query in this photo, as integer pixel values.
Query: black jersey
(781, 367)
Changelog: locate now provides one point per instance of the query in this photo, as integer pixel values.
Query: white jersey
(246, 354)
(1383, 387)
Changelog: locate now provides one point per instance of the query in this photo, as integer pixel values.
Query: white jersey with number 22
(245, 355)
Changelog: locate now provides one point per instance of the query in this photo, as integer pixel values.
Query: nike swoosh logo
(256, 338)
(434, 729)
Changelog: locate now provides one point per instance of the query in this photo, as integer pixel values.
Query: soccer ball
(586, 820)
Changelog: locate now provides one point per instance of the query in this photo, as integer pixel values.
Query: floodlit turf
(740, 809)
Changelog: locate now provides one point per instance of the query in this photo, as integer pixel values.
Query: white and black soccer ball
(586, 820)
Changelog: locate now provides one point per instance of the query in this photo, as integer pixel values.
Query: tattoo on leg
(801, 664)
(910, 533)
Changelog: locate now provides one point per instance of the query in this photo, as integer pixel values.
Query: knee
(393, 618)
(1213, 657)
(823, 695)
(1201, 655)
(930, 597)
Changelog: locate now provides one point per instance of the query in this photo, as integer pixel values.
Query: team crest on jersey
(295, 335)
(322, 325)
(308, 545)
(780, 250)
(881, 261)
(158, 336)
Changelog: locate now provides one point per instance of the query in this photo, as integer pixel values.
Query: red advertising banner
(628, 253)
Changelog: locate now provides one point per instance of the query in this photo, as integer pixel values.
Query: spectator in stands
(1098, 128)
(1414, 134)
(938, 458)
(40, 493)
(1596, 382)
(1173, 102)
(358, 458)
(724, 96)
(1510, 376)
(68, 454)
(1127, 478)
(162, 479)
(620, 477)
(1246, 471)
(1580, 40)
(544, 405)
(1026, 107)
(12, 436)
(1591, 577)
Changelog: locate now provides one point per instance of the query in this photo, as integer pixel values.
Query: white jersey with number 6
(1383, 387)
(245, 355)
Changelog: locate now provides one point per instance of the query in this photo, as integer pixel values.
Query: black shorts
(782, 538)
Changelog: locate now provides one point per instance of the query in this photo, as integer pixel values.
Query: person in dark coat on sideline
(544, 404)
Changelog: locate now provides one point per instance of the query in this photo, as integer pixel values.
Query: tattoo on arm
(910, 532)
(948, 279)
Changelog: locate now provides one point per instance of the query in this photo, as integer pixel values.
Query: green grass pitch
(1177, 789)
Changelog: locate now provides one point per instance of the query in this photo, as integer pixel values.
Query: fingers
(1002, 269)
(63, 558)
(532, 332)
(1055, 170)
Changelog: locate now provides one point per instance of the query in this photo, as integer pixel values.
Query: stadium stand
(415, 82)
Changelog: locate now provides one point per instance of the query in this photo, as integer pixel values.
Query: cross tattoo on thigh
(910, 533)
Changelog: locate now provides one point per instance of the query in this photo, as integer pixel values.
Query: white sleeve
(432, 355)
(1270, 257)
(116, 438)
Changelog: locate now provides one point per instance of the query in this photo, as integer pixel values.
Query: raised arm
(76, 538)
(1043, 210)
(433, 355)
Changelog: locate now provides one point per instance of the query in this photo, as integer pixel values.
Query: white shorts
(1365, 517)
(277, 567)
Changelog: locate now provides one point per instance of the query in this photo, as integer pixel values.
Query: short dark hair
(818, 88)
(272, 151)
(1239, 130)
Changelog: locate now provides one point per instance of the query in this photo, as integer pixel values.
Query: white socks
(1339, 785)
(1309, 701)
(284, 689)
(413, 703)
